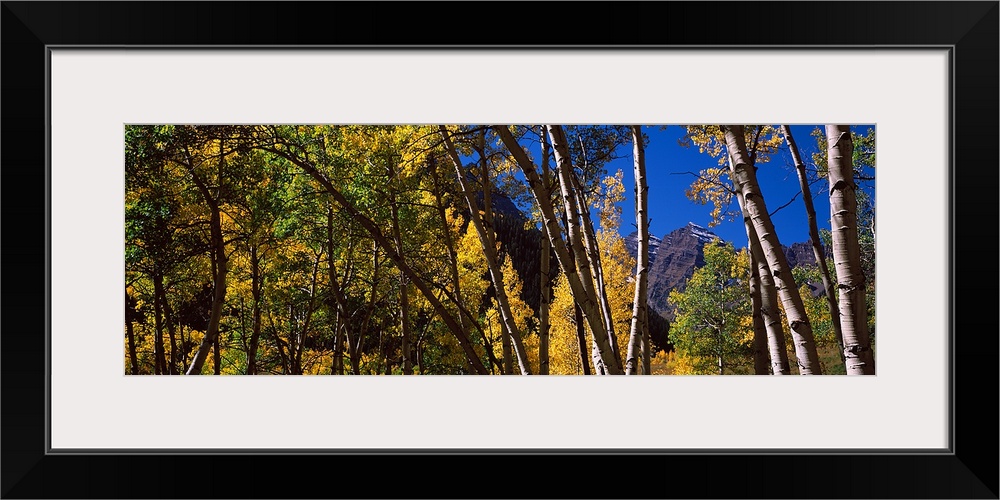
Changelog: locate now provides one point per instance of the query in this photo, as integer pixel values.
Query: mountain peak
(632, 244)
(700, 232)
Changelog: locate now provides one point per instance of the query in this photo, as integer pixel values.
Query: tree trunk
(543, 307)
(487, 240)
(338, 352)
(387, 247)
(817, 245)
(185, 347)
(508, 362)
(404, 298)
(594, 261)
(218, 296)
(465, 318)
(745, 180)
(564, 170)
(581, 338)
(356, 343)
(300, 342)
(217, 356)
(344, 314)
(133, 358)
(847, 252)
(159, 358)
(337, 365)
(769, 314)
(219, 265)
(640, 328)
(255, 284)
(168, 316)
(341, 318)
(449, 245)
(545, 286)
(760, 355)
(768, 301)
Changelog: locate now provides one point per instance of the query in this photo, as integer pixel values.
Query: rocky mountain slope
(674, 258)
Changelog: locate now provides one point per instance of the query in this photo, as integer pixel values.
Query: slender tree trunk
(449, 245)
(463, 315)
(420, 358)
(336, 366)
(384, 346)
(341, 319)
(168, 316)
(847, 252)
(219, 264)
(487, 241)
(255, 285)
(286, 366)
(357, 342)
(564, 170)
(543, 307)
(508, 362)
(218, 295)
(217, 356)
(184, 348)
(581, 338)
(745, 180)
(404, 318)
(768, 300)
(300, 342)
(817, 245)
(640, 328)
(487, 221)
(545, 286)
(567, 263)
(340, 300)
(133, 358)
(599, 368)
(594, 260)
(760, 353)
(338, 353)
(765, 314)
(404, 298)
(387, 247)
(159, 358)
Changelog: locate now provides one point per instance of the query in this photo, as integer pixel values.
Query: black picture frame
(969, 470)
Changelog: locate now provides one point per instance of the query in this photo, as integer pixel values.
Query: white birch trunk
(745, 180)
(564, 171)
(818, 253)
(768, 298)
(639, 333)
(546, 280)
(847, 252)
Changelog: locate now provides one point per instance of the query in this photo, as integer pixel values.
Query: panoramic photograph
(441, 249)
